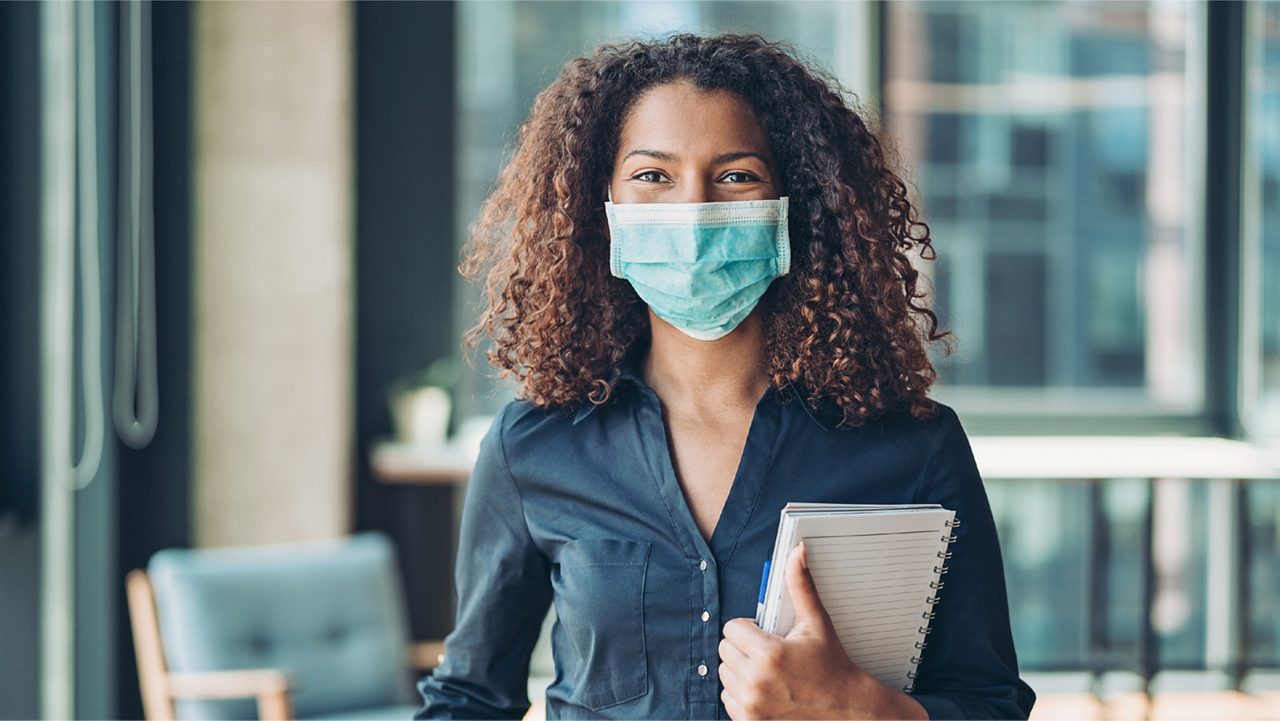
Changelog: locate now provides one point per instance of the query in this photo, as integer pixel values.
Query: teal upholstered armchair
(308, 630)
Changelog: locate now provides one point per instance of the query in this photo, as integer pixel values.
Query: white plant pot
(421, 415)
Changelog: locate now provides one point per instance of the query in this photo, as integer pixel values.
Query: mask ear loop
(615, 248)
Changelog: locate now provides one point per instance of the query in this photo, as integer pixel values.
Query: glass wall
(1055, 148)
(1264, 130)
(1263, 501)
(1075, 567)
(1263, 511)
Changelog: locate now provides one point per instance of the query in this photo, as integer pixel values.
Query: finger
(744, 634)
(731, 654)
(735, 668)
(731, 705)
(804, 595)
(729, 678)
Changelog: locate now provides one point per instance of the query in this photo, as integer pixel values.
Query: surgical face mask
(702, 267)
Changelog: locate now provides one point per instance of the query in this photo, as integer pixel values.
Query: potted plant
(420, 403)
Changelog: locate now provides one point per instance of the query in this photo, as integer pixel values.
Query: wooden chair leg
(156, 702)
(275, 705)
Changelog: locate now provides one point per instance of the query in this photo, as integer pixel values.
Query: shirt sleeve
(969, 667)
(503, 592)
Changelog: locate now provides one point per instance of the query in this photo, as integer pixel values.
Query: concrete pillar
(272, 268)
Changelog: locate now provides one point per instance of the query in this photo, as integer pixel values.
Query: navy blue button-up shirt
(585, 511)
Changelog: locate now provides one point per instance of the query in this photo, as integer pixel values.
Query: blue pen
(764, 583)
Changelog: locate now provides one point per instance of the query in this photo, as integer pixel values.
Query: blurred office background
(230, 233)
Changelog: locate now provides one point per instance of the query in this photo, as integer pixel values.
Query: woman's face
(681, 144)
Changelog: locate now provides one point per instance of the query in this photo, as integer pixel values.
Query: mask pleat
(700, 266)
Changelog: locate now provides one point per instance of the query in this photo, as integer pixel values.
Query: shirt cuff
(938, 707)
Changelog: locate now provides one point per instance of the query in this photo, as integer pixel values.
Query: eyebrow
(738, 155)
(718, 160)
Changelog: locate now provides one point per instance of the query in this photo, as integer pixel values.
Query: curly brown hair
(847, 328)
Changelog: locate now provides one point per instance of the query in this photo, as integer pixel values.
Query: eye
(739, 176)
(648, 176)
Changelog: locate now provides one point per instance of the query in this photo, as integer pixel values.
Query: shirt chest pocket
(599, 596)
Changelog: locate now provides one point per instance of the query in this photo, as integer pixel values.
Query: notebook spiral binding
(932, 601)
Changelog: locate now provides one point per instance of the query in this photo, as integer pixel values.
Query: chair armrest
(239, 683)
(270, 686)
(425, 655)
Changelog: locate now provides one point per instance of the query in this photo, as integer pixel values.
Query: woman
(697, 270)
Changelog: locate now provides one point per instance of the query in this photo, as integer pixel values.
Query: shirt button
(706, 616)
(702, 669)
(702, 565)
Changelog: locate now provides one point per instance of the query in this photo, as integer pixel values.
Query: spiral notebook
(877, 568)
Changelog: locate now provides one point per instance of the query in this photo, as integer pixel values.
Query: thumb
(810, 614)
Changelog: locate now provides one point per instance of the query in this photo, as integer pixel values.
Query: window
(1054, 146)
(1261, 204)
(1262, 218)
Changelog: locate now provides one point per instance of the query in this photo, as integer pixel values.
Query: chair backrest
(329, 613)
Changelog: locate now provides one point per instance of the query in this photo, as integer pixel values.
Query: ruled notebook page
(873, 570)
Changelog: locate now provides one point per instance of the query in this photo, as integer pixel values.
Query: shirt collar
(628, 373)
(822, 418)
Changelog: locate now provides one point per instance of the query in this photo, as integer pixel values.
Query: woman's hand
(805, 674)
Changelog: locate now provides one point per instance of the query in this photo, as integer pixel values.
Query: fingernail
(804, 557)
